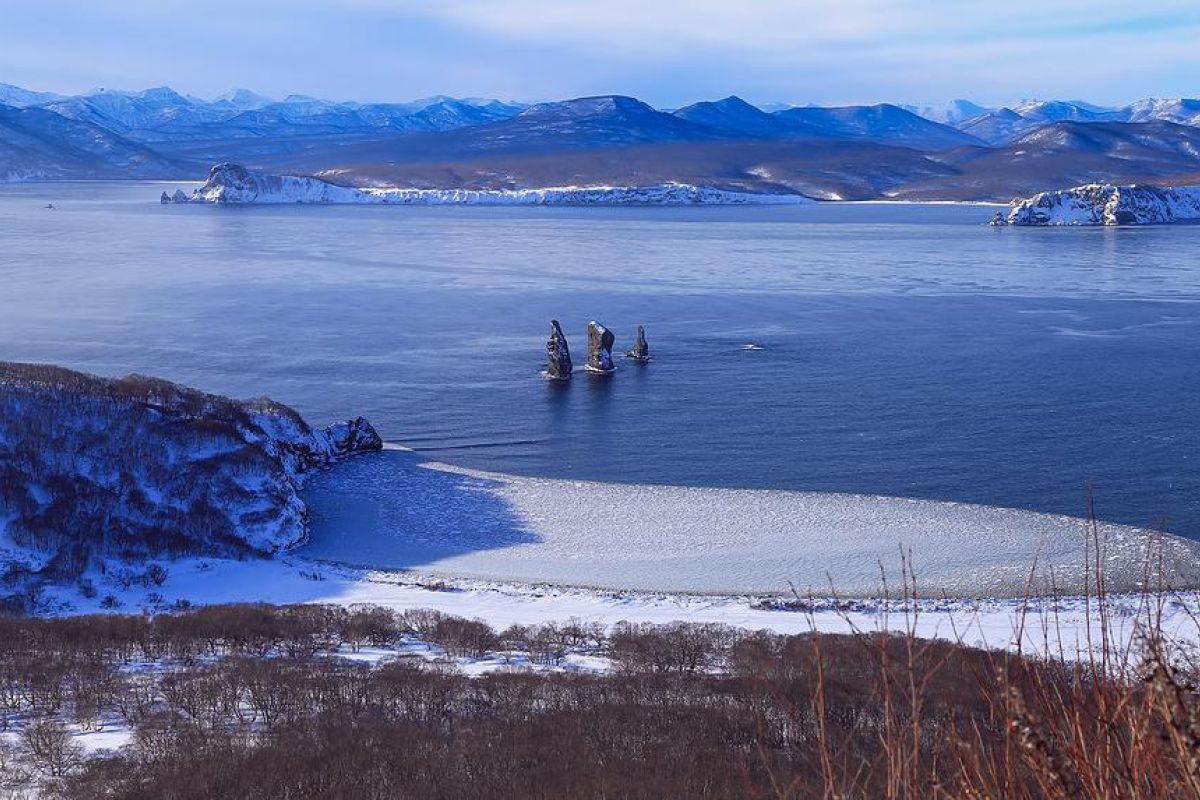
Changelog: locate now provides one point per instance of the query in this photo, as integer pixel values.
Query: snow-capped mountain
(998, 126)
(951, 113)
(1181, 110)
(1064, 110)
(447, 144)
(242, 100)
(1105, 204)
(17, 97)
(132, 112)
(38, 144)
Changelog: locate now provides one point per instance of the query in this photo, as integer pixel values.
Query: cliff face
(138, 467)
(1104, 204)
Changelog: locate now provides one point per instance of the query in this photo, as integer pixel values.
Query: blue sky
(668, 52)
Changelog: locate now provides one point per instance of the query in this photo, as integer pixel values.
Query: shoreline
(398, 512)
(1049, 625)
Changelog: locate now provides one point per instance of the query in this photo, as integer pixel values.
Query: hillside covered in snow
(233, 183)
(138, 467)
(1105, 204)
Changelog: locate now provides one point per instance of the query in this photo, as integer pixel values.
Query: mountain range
(961, 150)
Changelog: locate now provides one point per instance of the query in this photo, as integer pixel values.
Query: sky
(667, 52)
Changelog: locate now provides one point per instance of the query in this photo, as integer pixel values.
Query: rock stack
(600, 343)
(558, 355)
(641, 351)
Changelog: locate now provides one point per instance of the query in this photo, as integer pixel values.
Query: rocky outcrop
(166, 198)
(139, 467)
(352, 437)
(1104, 204)
(641, 350)
(558, 355)
(600, 344)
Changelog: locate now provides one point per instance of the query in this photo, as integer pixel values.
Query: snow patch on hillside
(234, 184)
(1105, 204)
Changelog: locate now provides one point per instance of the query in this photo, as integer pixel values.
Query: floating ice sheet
(393, 511)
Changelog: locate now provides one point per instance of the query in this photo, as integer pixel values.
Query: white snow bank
(393, 511)
(232, 183)
(1064, 626)
(1105, 204)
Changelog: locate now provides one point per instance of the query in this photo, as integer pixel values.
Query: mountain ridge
(439, 142)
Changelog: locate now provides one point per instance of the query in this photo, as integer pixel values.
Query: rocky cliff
(1105, 204)
(138, 467)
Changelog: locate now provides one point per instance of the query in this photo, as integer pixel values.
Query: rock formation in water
(600, 344)
(166, 198)
(558, 355)
(641, 351)
(1105, 204)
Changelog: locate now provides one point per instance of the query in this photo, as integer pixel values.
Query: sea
(884, 349)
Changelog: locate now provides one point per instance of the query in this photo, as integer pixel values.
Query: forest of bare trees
(253, 701)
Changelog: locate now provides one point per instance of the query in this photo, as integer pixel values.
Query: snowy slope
(139, 466)
(1105, 204)
(233, 183)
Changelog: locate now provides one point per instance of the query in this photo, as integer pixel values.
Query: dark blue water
(905, 350)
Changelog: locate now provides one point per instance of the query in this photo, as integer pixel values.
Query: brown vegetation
(247, 702)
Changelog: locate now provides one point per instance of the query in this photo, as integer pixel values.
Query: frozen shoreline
(394, 511)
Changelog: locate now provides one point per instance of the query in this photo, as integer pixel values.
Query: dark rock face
(641, 351)
(600, 343)
(558, 355)
(166, 198)
(353, 437)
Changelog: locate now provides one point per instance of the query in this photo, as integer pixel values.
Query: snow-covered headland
(1105, 204)
(140, 467)
(234, 184)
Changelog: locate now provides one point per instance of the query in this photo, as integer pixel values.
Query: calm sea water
(904, 350)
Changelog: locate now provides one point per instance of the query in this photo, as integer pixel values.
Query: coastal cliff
(234, 184)
(1105, 204)
(141, 467)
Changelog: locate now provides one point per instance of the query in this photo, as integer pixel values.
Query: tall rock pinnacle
(600, 343)
(558, 355)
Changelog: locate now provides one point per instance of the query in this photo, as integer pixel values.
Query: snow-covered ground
(1065, 626)
(232, 183)
(1105, 204)
(392, 510)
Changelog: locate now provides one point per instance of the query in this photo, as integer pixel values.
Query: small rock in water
(641, 351)
(600, 344)
(166, 198)
(558, 355)
(179, 197)
(353, 436)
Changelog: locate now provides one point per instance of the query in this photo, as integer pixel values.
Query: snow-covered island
(235, 184)
(1105, 204)
(140, 467)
